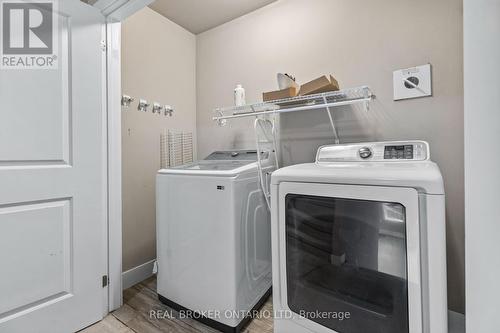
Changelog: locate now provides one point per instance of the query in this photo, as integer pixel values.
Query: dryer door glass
(346, 263)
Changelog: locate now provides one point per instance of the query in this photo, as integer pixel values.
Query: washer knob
(365, 153)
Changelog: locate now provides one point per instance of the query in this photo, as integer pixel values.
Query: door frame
(113, 54)
(115, 12)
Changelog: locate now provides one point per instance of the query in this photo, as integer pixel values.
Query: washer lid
(220, 163)
(213, 165)
(235, 155)
(212, 168)
(421, 175)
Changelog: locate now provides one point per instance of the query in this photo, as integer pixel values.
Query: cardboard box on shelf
(319, 85)
(280, 94)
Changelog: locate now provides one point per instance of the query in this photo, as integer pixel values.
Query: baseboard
(137, 274)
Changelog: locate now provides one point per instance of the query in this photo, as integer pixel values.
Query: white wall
(158, 64)
(482, 164)
(360, 42)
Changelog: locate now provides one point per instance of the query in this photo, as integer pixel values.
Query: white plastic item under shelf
(300, 103)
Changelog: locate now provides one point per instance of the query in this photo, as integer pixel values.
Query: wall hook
(126, 100)
(157, 108)
(168, 110)
(143, 105)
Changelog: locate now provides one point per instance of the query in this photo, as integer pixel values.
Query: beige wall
(360, 42)
(158, 64)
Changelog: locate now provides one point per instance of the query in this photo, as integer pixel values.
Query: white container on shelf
(239, 95)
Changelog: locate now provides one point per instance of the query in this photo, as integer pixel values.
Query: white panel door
(52, 183)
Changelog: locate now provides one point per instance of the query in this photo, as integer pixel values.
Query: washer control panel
(393, 151)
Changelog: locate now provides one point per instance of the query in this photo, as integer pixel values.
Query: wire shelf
(301, 103)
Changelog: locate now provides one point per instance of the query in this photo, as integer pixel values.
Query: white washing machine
(214, 238)
(358, 241)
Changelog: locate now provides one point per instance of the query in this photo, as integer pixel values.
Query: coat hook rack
(143, 105)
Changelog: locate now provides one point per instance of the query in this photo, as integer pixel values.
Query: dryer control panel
(391, 151)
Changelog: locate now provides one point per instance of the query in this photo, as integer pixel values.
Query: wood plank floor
(140, 299)
(133, 316)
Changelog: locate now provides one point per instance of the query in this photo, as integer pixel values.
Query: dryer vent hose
(265, 134)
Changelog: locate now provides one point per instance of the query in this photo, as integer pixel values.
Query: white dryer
(214, 238)
(358, 241)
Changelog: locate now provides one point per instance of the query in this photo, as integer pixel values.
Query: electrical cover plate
(412, 82)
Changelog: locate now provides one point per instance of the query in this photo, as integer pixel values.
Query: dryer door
(349, 257)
